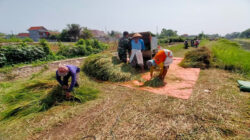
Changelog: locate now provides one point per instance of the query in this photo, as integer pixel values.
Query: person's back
(123, 47)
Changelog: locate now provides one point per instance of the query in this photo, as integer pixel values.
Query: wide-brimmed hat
(136, 35)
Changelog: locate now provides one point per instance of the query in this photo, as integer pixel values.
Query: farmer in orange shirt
(162, 59)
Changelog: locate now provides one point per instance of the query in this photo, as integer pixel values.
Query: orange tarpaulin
(179, 81)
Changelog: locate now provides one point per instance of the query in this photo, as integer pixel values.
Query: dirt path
(27, 71)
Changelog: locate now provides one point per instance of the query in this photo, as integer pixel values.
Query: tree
(232, 35)
(74, 31)
(202, 36)
(168, 33)
(64, 35)
(245, 34)
(114, 34)
(86, 34)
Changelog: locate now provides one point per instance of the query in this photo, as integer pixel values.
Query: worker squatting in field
(65, 72)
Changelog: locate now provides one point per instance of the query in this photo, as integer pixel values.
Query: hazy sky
(185, 16)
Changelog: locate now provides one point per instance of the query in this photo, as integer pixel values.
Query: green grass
(242, 39)
(37, 94)
(230, 56)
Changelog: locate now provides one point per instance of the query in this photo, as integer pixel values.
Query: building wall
(34, 34)
(37, 34)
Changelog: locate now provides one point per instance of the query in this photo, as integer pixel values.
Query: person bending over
(63, 74)
(162, 59)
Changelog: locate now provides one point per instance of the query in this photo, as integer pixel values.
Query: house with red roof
(38, 32)
(97, 33)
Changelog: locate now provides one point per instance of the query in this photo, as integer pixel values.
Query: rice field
(230, 56)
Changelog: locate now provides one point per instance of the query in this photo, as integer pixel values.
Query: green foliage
(64, 36)
(12, 39)
(27, 39)
(155, 82)
(107, 68)
(245, 34)
(3, 59)
(233, 35)
(86, 34)
(202, 36)
(168, 33)
(23, 53)
(170, 40)
(82, 48)
(44, 44)
(2, 35)
(198, 58)
(230, 56)
(74, 31)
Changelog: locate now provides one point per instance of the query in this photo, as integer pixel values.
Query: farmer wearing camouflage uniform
(124, 47)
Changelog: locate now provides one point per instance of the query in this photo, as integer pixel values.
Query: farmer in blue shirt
(65, 72)
(137, 48)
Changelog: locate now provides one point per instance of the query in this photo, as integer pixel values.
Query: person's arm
(142, 45)
(73, 82)
(58, 78)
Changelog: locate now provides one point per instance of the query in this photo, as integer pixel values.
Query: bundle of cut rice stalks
(107, 67)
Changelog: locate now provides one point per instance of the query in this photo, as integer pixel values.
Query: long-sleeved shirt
(139, 45)
(73, 70)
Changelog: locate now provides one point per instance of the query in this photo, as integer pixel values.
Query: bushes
(82, 48)
(24, 53)
(171, 39)
(15, 39)
(107, 68)
(198, 58)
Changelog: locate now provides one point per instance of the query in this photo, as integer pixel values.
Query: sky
(184, 16)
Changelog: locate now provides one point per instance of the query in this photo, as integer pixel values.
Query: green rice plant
(108, 68)
(155, 82)
(230, 56)
(32, 96)
(198, 58)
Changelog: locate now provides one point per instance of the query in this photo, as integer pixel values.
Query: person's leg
(165, 71)
(77, 77)
(142, 67)
(139, 59)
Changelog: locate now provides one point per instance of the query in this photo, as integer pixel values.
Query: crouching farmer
(162, 59)
(65, 72)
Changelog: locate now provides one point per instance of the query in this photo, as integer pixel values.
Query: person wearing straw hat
(162, 59)
(137, 48)
(65, 72)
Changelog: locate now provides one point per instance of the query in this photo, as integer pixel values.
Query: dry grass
(198, 58)
(128, 114)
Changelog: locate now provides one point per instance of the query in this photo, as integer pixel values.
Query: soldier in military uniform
(124, 47)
